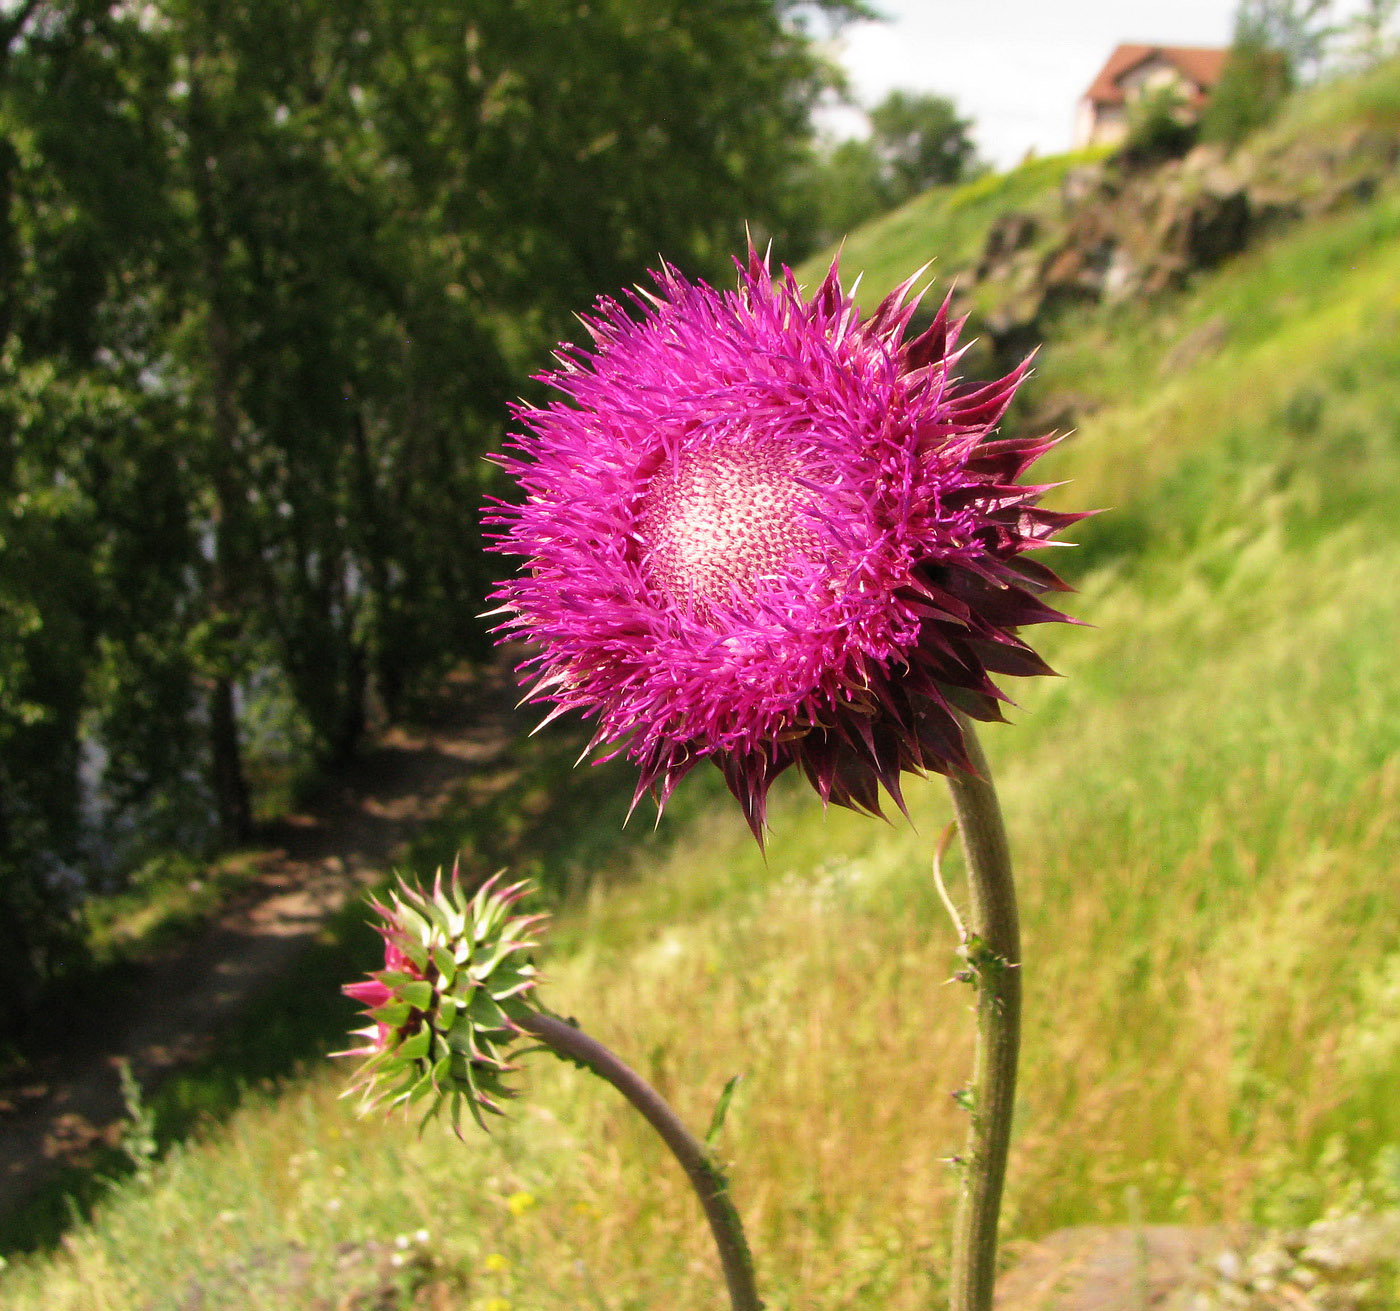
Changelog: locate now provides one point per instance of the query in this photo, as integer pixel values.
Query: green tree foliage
(1277, 44)
(916, 142)
(72, 175)
(1370, 32)
(269, 276)
(921, 141)
(1160, 126)
(844, 187)
(1298, 29)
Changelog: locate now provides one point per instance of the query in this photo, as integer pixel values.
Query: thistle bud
(446, 1008)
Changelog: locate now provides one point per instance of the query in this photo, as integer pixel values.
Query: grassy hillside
(1205, 811)
(946, 225)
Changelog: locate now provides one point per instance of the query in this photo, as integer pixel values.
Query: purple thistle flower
(761, 530)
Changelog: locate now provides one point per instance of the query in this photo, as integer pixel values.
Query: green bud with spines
(446, 1008)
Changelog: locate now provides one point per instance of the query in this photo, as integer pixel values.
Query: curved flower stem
(707, 1179)
(992, 949)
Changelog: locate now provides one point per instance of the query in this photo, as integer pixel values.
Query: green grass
(168, 898)
(1367, 102)
(1205, 811)
(947, 224)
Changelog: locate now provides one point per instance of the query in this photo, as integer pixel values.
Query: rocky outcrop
(1345, 1262)
(1115, 233)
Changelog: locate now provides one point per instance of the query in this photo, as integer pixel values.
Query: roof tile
(1199, 64)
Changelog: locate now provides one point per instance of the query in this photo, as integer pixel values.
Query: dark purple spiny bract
(760, 530)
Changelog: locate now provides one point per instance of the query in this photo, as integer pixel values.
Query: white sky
(1015, 67)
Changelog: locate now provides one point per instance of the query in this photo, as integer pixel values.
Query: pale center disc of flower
(721, 522)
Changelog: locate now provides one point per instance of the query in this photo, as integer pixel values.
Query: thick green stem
(992, 948)
(706, 1178)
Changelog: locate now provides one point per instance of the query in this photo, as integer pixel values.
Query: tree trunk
(225, 585)
(226, 754)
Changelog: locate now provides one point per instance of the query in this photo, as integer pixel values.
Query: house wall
(1107, 124)
(1099, 124)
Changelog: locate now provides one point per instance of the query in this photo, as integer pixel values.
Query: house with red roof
(1136, 70)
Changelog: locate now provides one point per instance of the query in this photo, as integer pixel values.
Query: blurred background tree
(269, 277)
(1277, 44)
(1161, 126)
(916, 141)
(1370, 32)
(921, 142)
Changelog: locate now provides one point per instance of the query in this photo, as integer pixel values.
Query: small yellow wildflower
(518, 1203)
(496, 1263)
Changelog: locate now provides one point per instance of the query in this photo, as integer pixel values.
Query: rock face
(1116, 233)
(1348, 1261)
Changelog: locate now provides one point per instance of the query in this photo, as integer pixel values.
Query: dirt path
(1111, 1268)
(71, 1099)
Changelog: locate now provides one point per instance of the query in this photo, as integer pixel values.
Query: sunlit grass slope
(1205, 811)
(947, 225)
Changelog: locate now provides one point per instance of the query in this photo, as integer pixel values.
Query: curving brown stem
(992, 948)
(706, 1178)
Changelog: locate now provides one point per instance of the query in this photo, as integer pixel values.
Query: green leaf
(460, 1036)
(447, 965)
(421, 930)
(392, 1014)
(515, 1007)
(442, 1072)
(721, 1111)
(485, 1011)
(416, 1047)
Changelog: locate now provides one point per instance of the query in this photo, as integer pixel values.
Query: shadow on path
(67, 1114)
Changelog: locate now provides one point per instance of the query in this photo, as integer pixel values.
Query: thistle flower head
(444, 1010)
(761, 530)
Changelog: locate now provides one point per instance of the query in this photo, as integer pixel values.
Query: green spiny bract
(447, 1005)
